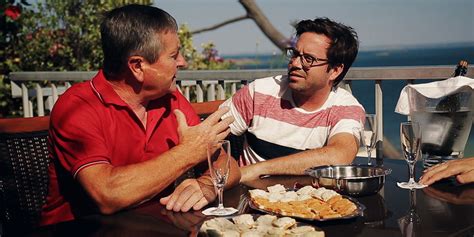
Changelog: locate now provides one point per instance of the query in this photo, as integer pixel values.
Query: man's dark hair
(344, 42)
(133, 30)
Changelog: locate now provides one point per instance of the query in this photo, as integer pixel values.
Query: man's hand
(463, 169)
(191, 193)
(196, 138)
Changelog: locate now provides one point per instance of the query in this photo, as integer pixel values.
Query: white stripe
(250, 157)
(95, 90)
(284, 134)
(89, 164)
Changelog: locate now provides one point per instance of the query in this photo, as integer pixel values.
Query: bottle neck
(461, 69)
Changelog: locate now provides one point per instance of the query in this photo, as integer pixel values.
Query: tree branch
(254, 12)
(213, 27)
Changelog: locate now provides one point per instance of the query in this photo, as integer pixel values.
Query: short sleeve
(345, 119)
(241, 107)
(76, 134)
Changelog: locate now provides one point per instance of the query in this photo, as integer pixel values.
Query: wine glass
(369, 135)
(410, 138)
(218, 157)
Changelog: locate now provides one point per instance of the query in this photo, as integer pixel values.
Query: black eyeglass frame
(306, 60)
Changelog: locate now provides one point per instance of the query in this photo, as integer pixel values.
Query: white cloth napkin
(209, 211)
(435, 89)
(404, 185)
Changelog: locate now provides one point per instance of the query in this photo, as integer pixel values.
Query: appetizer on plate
(307, 202)
(264, 225)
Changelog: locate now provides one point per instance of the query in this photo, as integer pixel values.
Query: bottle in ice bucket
(446, 122)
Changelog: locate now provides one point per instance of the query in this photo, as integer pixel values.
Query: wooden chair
(204, 109)
(24, 160)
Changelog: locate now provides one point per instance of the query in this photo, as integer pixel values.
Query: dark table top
(444, 209)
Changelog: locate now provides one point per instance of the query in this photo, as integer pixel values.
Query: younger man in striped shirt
(302, 119)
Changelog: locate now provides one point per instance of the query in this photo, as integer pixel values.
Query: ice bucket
(445, 121)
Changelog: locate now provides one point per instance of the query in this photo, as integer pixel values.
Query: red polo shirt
(91, 124)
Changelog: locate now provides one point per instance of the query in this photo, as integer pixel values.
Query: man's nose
(295, 62)
(181, 61)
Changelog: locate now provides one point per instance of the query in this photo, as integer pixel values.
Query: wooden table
(444, 209)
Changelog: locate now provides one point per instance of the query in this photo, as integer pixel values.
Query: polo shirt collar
(104, 91)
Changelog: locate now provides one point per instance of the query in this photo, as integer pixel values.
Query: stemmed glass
(369, 135)
(410, 138)
(218, 157)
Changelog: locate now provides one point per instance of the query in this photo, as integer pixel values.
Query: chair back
(204, 109)
(24, 160)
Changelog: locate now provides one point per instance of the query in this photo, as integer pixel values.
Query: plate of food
(257, 225)
(306, 203)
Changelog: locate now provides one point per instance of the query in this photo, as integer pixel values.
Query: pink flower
(53, 50)
(13, 12)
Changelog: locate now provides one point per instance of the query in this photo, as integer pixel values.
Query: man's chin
(173, 88)
(173, 85)
(293, 86)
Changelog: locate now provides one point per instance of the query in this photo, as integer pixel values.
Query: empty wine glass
(218, 157)
(410, 139)
(369, 135)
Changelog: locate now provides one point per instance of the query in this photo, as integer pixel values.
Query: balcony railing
(198, 86)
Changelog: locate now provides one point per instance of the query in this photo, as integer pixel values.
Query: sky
(380, 24)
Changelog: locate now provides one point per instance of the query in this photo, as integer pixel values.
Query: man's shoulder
(273, 83)
(342, 96)
(75, 99)
(278, 79)
(81, 89)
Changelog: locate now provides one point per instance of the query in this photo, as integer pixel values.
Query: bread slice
(284, 222)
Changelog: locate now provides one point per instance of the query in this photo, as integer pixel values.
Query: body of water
(364, 90)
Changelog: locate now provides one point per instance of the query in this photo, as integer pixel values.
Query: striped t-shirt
(273, 126)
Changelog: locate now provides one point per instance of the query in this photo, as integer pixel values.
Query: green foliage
(9, 15)
(56, 35)
(62, 36)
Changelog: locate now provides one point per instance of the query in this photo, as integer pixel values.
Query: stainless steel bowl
(353, 180)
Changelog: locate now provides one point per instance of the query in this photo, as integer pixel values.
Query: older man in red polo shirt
(126, 135)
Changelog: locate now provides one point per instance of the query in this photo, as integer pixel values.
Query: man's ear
(336, 71)
(135, 65)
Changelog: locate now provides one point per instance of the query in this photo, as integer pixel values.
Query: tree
(254, 13)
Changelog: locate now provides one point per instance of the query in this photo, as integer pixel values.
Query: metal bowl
(353, 180)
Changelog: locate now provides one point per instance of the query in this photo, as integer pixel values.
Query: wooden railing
(199, 86)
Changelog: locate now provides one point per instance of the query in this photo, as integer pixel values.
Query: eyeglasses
(307, 60)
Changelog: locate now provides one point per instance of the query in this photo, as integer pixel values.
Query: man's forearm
(115, 188)
(340, 150)
(296, 164)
